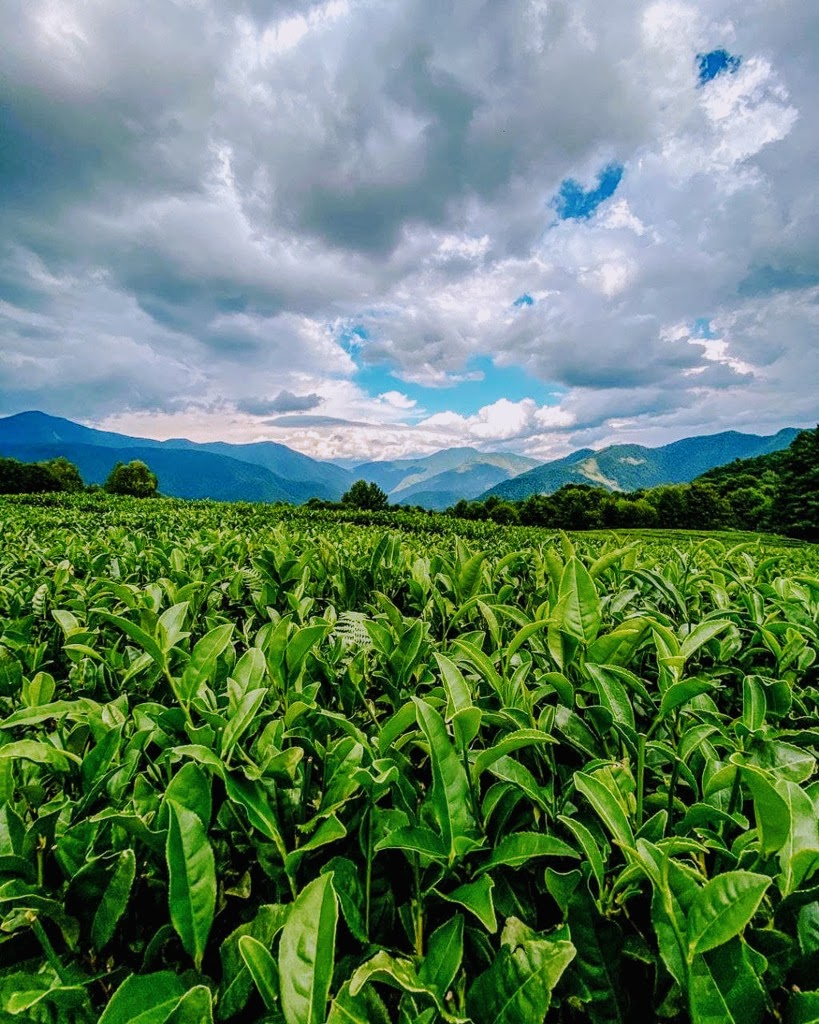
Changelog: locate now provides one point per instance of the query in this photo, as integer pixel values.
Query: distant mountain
(439, 480)
(248, 472)
(631, 467)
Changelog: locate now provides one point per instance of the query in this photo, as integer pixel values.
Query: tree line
(777, 493)
(132, 478)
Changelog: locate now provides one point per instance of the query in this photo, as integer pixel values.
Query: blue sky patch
(524, 300)
(573, 202)
(466, 396)
(717, 62)
(701, 328)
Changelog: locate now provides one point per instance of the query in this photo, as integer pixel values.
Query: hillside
(435, 480)
(629, 467)
(263, 471)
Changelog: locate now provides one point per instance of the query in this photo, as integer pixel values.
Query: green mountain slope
(465, 472)
(629, 467)
(264, 471)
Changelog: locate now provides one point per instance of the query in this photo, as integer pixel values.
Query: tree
(504, 512)
(365, 495)
(134, 479)
(796, 507)
(65, 472)
(26, 478)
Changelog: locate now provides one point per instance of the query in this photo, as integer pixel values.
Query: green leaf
(607, 807)
(138, 635)
(589, 846)
(262, 969)
(469, 576)
(170, 624)
(203, 660)
(445, 951)
(307, 953)
(481, 662)
(237, 984)
(517, 740)
(191, 788)
(724, 987)
(619, 646)
(807, 928)
(451, 799)
(754, 703)
(522, 636)
(610, 558)
(145, 999)
(397, 973)
(476, 897)
(600, 961)
(192, 880)
(701, 634)
(799, 854)
(299, 645)
(195, 1007)
(249, 671)
(260, 812)
(803, 1008)
(682, 692)
(415, 839)
(723, 908)
(518, 986)
(329, 831)
(241, 718)
(773, 816)
(458, 694)
(110, 903)
(39, 753)
(350, 892)
(520, 848)
(510, 770)
(613, 695)
(466, 724)
(578, 610)
(365, 1007)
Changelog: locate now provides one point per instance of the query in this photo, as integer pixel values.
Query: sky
(377, 229)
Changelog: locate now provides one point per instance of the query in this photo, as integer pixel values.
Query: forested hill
(631, 467)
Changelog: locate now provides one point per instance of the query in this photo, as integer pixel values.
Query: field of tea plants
(265, 765)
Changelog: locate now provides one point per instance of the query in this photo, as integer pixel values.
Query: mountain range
(266, 471)
(631, 467)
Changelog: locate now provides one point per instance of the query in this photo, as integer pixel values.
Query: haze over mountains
(266, 471)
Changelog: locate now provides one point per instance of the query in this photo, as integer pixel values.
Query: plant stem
(368, 873)
(418, 909)
(641, 773)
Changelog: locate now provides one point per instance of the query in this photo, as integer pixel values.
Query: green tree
(504, 512)
(65, 472)
(366, 495)
(135, 479)
(26, 478)
(578, 507)
(796, 507)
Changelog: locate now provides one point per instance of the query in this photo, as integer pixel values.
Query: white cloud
(202, 194)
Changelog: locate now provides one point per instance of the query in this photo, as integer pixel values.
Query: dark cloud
(315, 421)
(285, 401)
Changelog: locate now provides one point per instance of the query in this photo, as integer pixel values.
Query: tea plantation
(264, 765)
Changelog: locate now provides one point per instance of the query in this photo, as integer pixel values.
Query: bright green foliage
(134, 479)
(366, 496)
(797, 501)
(290, 765)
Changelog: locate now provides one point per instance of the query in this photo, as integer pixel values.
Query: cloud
(197, 196)
(285, 401)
